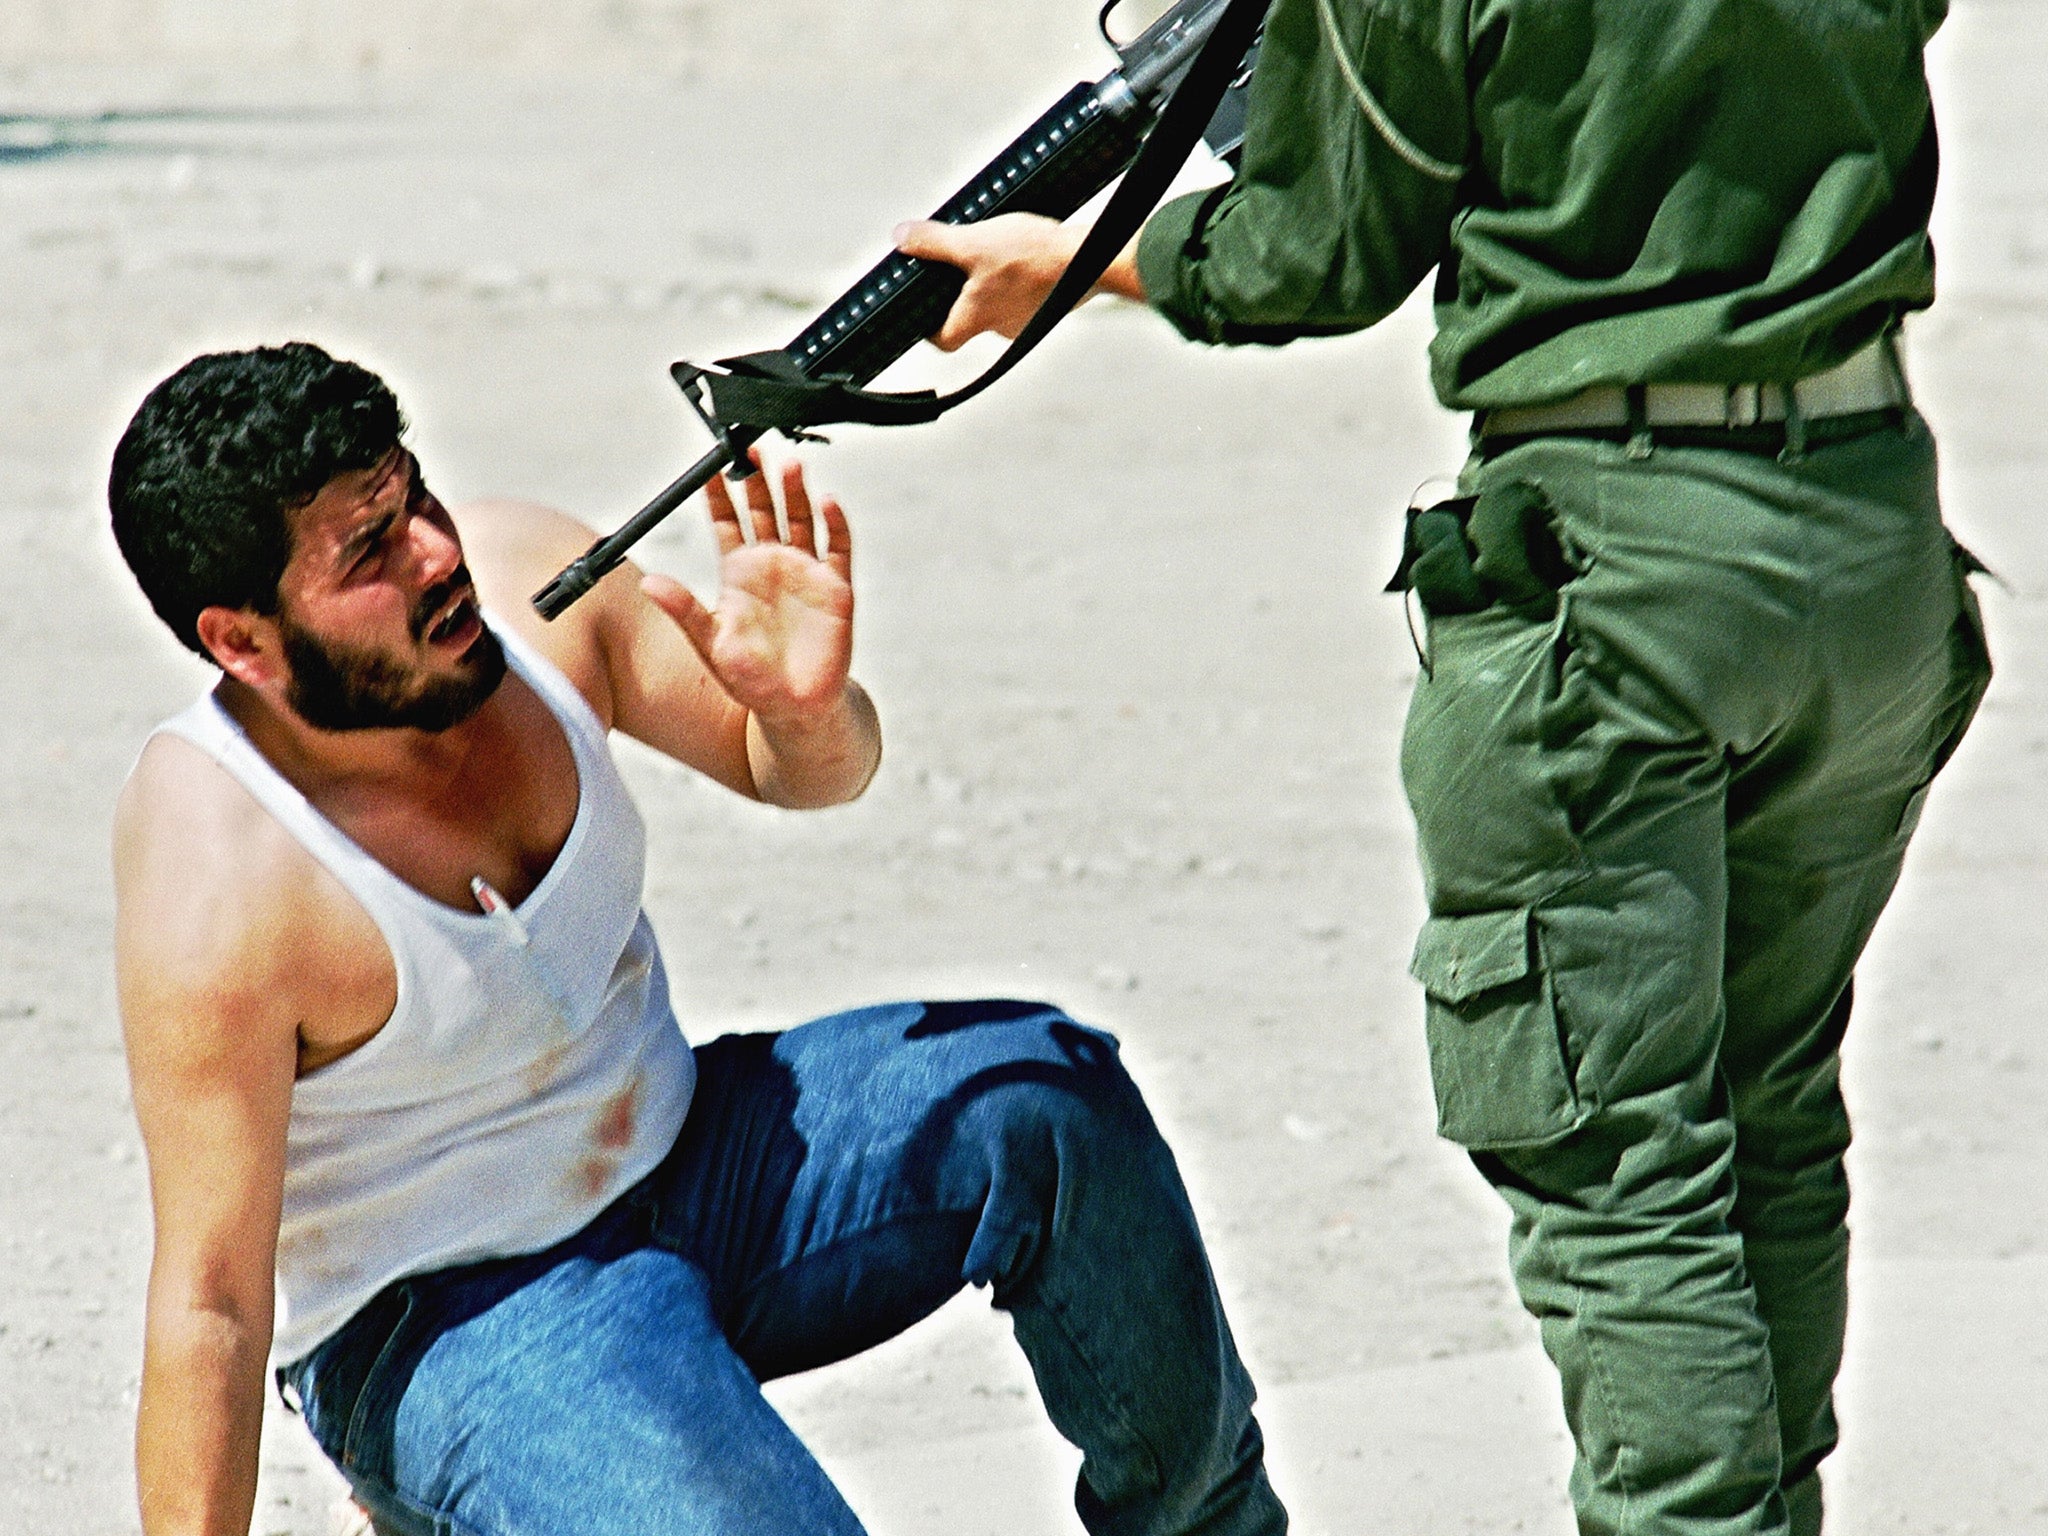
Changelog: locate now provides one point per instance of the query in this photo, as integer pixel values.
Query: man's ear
(243, 644)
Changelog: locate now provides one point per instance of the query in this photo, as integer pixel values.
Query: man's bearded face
(336, 686)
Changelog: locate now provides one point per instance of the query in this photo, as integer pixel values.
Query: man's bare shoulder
(513, 549)
(184, 821)
(224, 920)
(519, 541)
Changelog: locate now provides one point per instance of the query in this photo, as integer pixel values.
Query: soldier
(1697, 639)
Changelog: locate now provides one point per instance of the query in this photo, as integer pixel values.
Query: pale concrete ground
(1122, 618)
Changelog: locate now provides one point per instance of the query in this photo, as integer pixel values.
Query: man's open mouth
(455, 621)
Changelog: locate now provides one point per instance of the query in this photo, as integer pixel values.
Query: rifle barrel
(595, 563)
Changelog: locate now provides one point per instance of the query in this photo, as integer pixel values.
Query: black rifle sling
(766, 391)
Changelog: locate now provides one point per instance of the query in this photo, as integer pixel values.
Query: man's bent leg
(841, 1180)
(587, 1390)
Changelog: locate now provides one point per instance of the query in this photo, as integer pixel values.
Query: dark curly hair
(217, 456)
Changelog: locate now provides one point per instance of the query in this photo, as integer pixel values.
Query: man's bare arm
(212, 1050)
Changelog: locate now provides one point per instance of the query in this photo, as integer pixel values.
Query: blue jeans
(831, 1186)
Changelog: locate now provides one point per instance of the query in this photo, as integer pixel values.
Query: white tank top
(530, 1072)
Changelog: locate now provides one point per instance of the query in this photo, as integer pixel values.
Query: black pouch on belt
(1467, 554)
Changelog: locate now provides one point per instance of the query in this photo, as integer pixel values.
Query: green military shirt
(1612, 191)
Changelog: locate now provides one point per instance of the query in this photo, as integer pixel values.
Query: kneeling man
(422, 1131)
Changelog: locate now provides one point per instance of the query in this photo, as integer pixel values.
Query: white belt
(1869, 381)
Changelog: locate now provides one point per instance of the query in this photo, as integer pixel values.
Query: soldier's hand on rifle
(1011, 262)
(780, 640)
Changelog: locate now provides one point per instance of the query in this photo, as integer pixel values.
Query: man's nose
(436, 550)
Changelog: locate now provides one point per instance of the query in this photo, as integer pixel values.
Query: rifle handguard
(1053, 168)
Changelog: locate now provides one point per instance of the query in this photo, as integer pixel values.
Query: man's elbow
(197, 1325)
(217, 1303)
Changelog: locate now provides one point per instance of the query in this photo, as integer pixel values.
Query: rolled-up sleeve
(1328, 225)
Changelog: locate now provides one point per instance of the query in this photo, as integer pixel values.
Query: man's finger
(761, 502)
(696, 622)
(796, 508)
(840, 557)
(725, 518)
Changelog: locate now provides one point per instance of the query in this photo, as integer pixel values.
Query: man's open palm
(781, 638)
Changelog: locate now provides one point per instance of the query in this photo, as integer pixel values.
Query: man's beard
(336, 687)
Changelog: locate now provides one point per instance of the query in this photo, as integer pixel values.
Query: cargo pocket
(1495, 1053)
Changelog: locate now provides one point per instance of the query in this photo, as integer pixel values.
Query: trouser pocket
(1496, 1051)
(1970, 675)
(1972, 653)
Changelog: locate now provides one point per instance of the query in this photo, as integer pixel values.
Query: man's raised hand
(780, 641)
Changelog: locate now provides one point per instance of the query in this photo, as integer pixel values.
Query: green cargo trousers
(1659, 809)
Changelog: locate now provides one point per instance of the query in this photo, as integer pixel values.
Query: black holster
(1467, 554)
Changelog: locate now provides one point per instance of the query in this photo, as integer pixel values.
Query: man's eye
(370, 548)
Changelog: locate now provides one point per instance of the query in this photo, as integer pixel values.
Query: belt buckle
(1745, 405)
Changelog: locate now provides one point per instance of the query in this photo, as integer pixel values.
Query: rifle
(1085, 141)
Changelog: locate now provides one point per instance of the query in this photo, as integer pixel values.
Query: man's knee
(1052, 1127)
(1046, 1078)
